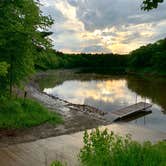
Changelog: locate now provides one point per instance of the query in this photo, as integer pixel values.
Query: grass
(20, 113)
(57, 163)
(104, 149)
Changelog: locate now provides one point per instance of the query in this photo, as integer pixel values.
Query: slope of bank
(76, 118)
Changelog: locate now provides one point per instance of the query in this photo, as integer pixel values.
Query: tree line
(54, 60)
(150, 59)
(24, 46)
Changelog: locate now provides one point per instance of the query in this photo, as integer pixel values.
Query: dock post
(144, 102)
(136, 99)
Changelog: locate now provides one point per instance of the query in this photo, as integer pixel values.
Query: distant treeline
(86, 62)
(147, 59)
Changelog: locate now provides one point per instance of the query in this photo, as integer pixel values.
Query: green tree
(150, 4)
(151, 57)
(21, 24)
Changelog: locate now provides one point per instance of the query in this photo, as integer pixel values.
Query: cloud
(102, 14)
(103, 26)
(73, 2)
(54, 13)
(95, 49)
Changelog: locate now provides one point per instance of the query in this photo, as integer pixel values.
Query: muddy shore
(76, 118)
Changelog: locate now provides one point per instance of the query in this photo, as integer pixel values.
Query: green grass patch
(57, 163)
(20, 113)
(104, 149)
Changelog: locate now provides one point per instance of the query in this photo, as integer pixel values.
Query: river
(110, 93)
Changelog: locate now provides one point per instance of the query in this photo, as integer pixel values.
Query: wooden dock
(128, 111)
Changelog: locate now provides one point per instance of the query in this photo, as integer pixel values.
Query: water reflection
(113, 94)
(153, 88)
(107, 95)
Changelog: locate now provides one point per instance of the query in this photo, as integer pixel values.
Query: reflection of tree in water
(152, 88)
(54, 78)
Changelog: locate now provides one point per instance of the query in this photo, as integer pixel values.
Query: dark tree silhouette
(150, 4)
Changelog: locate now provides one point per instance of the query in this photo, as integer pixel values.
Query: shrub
(104, 149)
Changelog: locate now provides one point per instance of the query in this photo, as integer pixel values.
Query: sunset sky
(102, 26)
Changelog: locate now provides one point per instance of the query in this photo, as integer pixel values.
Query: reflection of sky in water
(106, 95)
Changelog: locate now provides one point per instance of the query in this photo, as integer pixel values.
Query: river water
(113, 93)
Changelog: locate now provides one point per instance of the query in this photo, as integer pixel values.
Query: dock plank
(138, 107)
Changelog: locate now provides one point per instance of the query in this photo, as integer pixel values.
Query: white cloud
(106, 26)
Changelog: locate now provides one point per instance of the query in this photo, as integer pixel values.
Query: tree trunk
(11, 76)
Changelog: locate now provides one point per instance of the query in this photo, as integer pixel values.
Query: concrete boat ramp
(66, 147)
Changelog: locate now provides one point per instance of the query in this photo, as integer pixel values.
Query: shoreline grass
(20, 113)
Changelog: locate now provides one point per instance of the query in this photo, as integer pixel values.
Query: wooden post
(25, 95)
(144, 102)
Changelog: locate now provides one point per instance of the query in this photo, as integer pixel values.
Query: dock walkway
(127, 111)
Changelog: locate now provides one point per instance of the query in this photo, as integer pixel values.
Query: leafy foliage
(150, 4)
(20, 37)
(3, 77)
(56, 163)
(88, 62)
(149, 58)
(3, 68)
(104, 149)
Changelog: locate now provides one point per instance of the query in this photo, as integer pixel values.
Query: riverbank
(76, 118)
